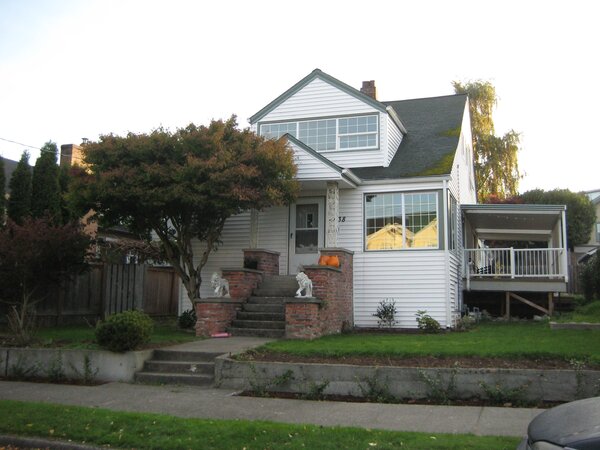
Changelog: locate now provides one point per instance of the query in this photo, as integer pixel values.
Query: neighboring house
(594, 241)
(390, 181)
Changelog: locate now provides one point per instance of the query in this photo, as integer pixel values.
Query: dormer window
(341, 133)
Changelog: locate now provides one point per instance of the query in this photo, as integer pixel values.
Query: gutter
(347, 173)
(434, 178)
(396, 119)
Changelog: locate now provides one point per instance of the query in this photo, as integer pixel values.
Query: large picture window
(343, 133)
(395, 221)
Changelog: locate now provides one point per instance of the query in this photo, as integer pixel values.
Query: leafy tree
(35, 256)
(2, 191)
(184, 185)
(590, 278)
(496, 165)
(19, 202)
(45, 197)
(581, 214)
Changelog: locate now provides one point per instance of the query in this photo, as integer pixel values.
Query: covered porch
(515, 248)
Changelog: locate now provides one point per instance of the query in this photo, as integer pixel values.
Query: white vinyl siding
(317, 99)
(273, 233)
(394, 138)
(321, 100)
(310, 167)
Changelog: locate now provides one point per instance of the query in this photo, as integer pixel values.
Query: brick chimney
(368, 88)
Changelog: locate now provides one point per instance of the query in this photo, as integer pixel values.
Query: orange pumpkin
(334, 261)
(324, 260)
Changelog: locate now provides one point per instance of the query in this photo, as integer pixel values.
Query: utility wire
(37, 148)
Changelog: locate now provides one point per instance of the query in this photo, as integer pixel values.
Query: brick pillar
(333, 288)
(242, 281)
(215, 315)
(267, 260)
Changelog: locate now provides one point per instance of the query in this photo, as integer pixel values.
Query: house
(388, 181)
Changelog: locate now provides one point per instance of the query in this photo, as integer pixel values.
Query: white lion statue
(220, 285)
(304, 284)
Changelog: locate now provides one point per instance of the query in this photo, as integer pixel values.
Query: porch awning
(513, 222)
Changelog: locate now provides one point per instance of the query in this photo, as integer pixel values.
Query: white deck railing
(514, 263)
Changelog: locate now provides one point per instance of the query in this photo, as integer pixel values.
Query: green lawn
(584, 313)
(83, 336)
(134, 430)
(491, 339)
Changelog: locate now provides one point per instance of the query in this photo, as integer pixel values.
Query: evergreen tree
(45, 185)
(2, 191)
(64, 178)
(19, 202)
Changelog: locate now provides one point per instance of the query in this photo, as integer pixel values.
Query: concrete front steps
(263, 315)
(179, 367)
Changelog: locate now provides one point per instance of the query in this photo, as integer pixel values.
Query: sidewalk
(187, 401)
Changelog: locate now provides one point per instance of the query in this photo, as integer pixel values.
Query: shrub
(386, 313)
(427, 323)
(124, 331)
(590, 278)
(187, 319)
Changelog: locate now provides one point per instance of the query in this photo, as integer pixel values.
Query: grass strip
(136, 430)
(529, 340)
(83, 337)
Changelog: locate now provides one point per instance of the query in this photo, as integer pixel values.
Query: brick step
(257, 332)
(182, 355)
(267, 300)
(263, 324)
(245, 315)
(185, 367)
(263, 308)
(174, 378)
(274, 292)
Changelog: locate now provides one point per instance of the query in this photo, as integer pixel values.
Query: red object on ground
(220, 335)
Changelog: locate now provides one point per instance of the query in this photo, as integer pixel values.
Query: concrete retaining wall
(535, 385)
(110, 366)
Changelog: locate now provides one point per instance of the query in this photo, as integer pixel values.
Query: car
(574, 425)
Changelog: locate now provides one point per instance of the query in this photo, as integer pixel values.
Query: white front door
(307, 232)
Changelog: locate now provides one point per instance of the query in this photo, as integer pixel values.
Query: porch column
(332, 211)
(253, 228)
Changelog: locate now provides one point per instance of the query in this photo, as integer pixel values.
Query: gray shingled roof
(9, 167)
(433, 126)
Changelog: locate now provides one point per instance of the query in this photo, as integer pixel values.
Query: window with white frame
(358, 132)
(395, 221)
(598, 233)
(276, 130)
(343, 133)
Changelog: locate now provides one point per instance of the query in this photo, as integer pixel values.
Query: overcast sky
(80, 68)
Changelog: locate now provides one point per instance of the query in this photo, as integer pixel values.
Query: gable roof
(317, 73)
(9, 168)
(428, 149)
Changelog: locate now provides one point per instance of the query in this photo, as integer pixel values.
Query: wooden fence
(111, 288)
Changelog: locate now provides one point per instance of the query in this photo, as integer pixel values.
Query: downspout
(564, 246)
(446, 253)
